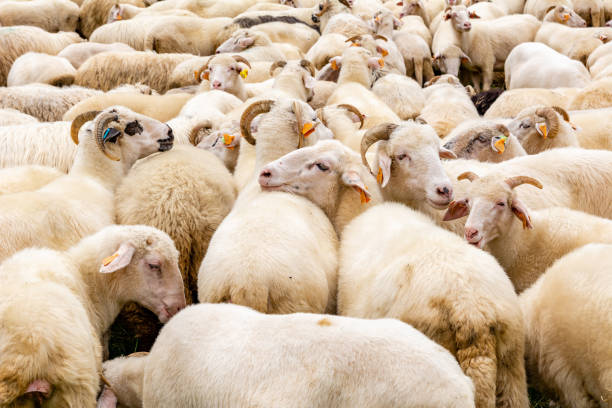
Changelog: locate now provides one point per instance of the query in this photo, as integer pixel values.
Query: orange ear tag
(227, 139)
(355, 44)
(384, 52)
(119, 17)
(379, 176)
(334, 65)
(106, 261)
(523, 219)
(196, 75)
(206, 75)
(500, 145)
(381, 62)
(399, 3)
(542, 130)
(308, 128)
(363, 196)
(566, 17)
(244, 73)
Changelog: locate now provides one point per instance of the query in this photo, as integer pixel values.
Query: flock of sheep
(356, 230)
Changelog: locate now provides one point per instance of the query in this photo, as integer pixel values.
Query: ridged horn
(518, 180)
(100, 126)
(196, 129)
(468, 175)
(551, 117)
(80, 121)
(379, 132)
(277, 64)
(346, 3)
(354, 38)
(380, 37)
(562, 112)
(321, 115)
(308, 65)
(353, 109)
(431, 81)
(256, 108)
(240, 58)
(299, 118)
(202, 68)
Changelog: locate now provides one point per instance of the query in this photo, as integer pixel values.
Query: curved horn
(380, 37)
(299, 117)
(562, 112)
(379, 132)
(256, 108)
(308, 65)
(80, 121)
(353, 38)
(502, 129)
(551, 117)
(101, 125)
(469, 175)
(353, 109)
(202, 68)
(321, 116)
(240, 58)
(518, 180)
(347, 3)
(196, 129)
(275, 65)
(139, 354)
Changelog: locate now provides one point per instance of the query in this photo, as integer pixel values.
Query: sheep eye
(501, 204)
(402, 156)
(524, 125)
(322, 167)
(481, 139)
(155, 267)
(320, 6)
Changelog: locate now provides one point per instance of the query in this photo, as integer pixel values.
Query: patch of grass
(537, 400)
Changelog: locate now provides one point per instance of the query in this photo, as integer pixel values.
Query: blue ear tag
(106, 132)
(110, 133)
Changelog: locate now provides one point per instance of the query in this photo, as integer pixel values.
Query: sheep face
(144, 269)
(125, 375)
(449, 61)
(565, 15)
(535, 124)
(460, 17)
(483, 142)
(223, 143)
(225, 76)
(491, 204)
(317, 173)
(239, 41)
(385, 22)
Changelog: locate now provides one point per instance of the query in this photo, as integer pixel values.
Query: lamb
(539, 128)
(454, 294)
(592, 128)
(94, 13)
(483, 140)
(255, 275)
(253, 45)
(524, 255)
(108, 70)
(535, 65)
(33, 67)
(568, 328)
(596, 95)
(402, 94)
(399, 365)
(80, 203)
(17, 40)
(14, 117)
(489, 42)
(510, 103)
(69, 299)
(161, 191)
(26, 178)
(50, 15)
(78, 53)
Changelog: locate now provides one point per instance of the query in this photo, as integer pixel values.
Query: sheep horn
(193, 135)
(518, 180)
(469, 175)
(308, 65)
(321, 115)
(240, 58)
(277, 64)
(139, 354)
(503, 129)
(256, 108)
(202, 68)
(562, 112)
(80, 121)
(380, 37)
(354, 38)
(353, 109)
(551, 117)
(101, 125)
(299, 117)
(378, 132)
(431, 81)
(346, 3)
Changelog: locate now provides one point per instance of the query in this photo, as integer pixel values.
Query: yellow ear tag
(542, 130)
(334, 65)
(308, 128)
(244, 73)
(500, 145)
(106, 261)
(381, 62)
(227, 139)
(379, 176)
(384, 52)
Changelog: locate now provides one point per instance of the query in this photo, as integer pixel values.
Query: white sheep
(568, 328)
(335, 16)
(402, 94)
(224, 142)
(94, 13)
(80, 203)
(592, 128)
(26, 178)
(459, 297)
(226, 73)
(575, 42)
(535, 65)
(78, 53)
(50, 15)
(55, 307)
(511, 102)
(398, 365)
(10, 116)
(256, 46)
(341, 120)
(598, 94)
(33, 67)
(564, 15)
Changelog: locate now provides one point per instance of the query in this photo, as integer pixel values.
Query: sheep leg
(72, 396)
(427, 69)
(476, 353)
(475, 80)
(511, 381)
(487, 78)
(568, 385)
(595, 18)
(418, 70)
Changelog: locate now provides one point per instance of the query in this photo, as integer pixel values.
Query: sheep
(10, 117)
(33, 67)
(567, 320)
(26, 178)
(402, 94)
(68, 300)
(334, 16)
(599, 65)
(298, 35)
(510, 103)
(252, 45)
(94, 13)
(447, 105)
(326, 47)
(321, 92)
(80, 203)
(540, 8)
(492, 204)
(483, 140)
(564, 15)
(78, 53)
(201, 192)
(265, 279)
(592, 128)
(122, 11)
(416, 54)
(454, 294)
(596, 95)
(577, 43)
(592, 11)
(50, 15)
(17, 40)
(226, 73)
(341, 120)
(130, 32)
(227, 8)
(540, 128)
(398, 365)
(601, 52)
(415, 25)
(108, 70)
(223, 142)
(377, 44)
(489, 42)
(535, 65)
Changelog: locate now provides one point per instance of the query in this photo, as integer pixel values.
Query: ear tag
(107, 261)
(377, 19)
(384, 52)
(334, 65)
(227, 140)
(542, 130)
(119, 17)
(308, 128)
(381, 62)
(363, 196)
(379, 176)
(244, 73)
(355, 44)
(399, 3)
(500, 145)
(205, 75)
(196, 75)
(566, 16)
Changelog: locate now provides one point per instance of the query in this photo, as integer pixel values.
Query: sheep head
(482, 141)
(223, 142)
(536, 125)
(491, 203)
(564, 15)
(239, 41)
(460, 17)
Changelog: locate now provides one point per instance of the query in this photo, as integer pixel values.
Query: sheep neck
(274, 141)
(355, 72)
(291, 84)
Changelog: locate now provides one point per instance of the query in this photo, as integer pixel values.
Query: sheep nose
(217, 52)
(315, 19)
(444, 192)
(467, 25)
(265, 174)
(470, 233)
(216, 84)
(170, 133)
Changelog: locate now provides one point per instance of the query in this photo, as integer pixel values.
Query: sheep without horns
(510, 103)
(67, 301)
(129, 32)
(568, 328)
(26, 178)
(564, 15)
(575, 42)
(78, 53)
(524, 255)
(252, 45)
(391, 353)
(596, 95)
(50, 15)
(457, 296)
(34, 67)
(593, 128)
(186, 193)
(14, 117)
(80, 203)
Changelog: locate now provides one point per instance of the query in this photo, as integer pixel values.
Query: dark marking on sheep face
(324, 322)
(480, 138)
(133, 127)
(247, 22)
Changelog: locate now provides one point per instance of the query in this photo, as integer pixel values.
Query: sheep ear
(119, 260)
(352, 178)
(456, 209)
(309, 82)
(520, 210)
(107, 399)
(447, 154)
(246, 42)
(383, 173)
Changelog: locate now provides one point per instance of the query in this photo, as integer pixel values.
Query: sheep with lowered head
(55, 307)
(398, 365)
(50, 15)
(41, 68)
